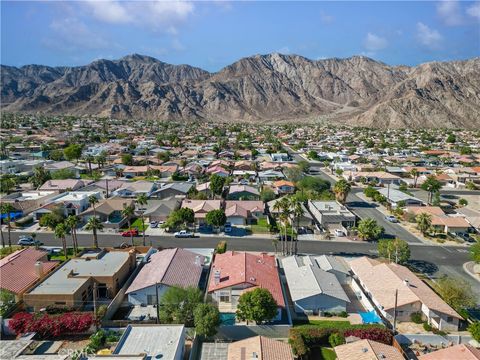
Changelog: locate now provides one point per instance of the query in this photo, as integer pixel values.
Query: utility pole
(395, 313)
(95, 304)
(158, 303)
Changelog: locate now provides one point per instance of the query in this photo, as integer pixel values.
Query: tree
(470, 185)
(293, 173)
(142, 200)
(313, 183)
(456, 292)
(207, 319)
(128, 212)
(474, 329)
(267, 194)
(72, 222)
(92, 200)
(60, 233)
(56, 155)
(304, 166)
(216, 217)
(395, 250)
(463, 202)
(424, 222)
(177, 305)
(282, 206)
(257, 305)
(341, 190)
(414, 173)
(40, 176)
(216, 184)
(73, 152)
(127, 159)
(178, 217)
(432, 185)
(63, 174)
(94, 224)
(7, 210)
(7, 183)
(51, 220)
(368, 229)
(89, 158)
(475, 252)
(451, 139)
(297, 213)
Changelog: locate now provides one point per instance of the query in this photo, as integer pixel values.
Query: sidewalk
(472, 269)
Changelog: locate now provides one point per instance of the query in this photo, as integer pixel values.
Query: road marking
(462, 250)
(373, 251)
(443, 247)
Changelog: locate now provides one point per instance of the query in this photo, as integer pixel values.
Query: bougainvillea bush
(46, 325)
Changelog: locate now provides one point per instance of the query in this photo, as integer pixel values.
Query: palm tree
(142, 200)
(94, 224)
(414, 173)
(7, 209)
(72, 222)
(89, 159)
(432, 185)
(128, 213)
(60, 233)
(285, 218)
(368, 229)
(92, 200)
(424, 222)
(341, 189)
(297, 212)
(275, 244)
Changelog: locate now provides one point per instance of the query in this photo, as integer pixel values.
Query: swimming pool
(370, 317)
(227, 318)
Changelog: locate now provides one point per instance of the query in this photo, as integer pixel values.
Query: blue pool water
(227, 318)
(370, 317)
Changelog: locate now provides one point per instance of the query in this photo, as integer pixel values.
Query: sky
(214, 34)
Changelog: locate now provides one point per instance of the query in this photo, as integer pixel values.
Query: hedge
(303, 337)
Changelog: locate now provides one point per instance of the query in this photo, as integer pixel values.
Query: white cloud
(109, 11)
(449, 12)
(428, 37)
(325, 18)
(374, 42)
(474, 10)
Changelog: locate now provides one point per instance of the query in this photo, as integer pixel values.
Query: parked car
(28, 241)
(339, 233)
(304, 230)
(465, 237)
(183, 234)
(391, 218)
(128, 233)
(154, 224)
(228, 227)
(282, 237)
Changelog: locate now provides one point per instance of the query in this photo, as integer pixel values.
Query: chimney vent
(39, 269)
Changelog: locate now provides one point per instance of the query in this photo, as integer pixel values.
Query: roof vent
(406, 282)
(216, 277)
(254, 355)
(252, 279)
(364, 350)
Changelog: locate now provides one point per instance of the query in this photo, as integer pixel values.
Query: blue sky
(212, 35)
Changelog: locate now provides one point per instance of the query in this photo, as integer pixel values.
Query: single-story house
(72, 203)
(396, 197)
(133, 189)
(367, 350)
(259, 347)
(379, 177)
(158, 210)
(164, 269)
(455, 352)
(284, 187)
(172, 190)
(331, 214)
(244, 212)
(243, 192)
(201, 208)
(270, 175)
(63, 185)
(109, 211)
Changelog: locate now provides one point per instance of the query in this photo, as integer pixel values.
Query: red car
(128, 233)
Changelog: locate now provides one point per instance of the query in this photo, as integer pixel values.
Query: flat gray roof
(82, 268)
(152, 340)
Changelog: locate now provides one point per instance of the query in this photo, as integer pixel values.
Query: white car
(339, 233)
(183, 234)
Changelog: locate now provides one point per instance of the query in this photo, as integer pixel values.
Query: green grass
(327, 324)
(7, 250)
(261, 227)
(60, 255)
(137, 224)
(327, 354)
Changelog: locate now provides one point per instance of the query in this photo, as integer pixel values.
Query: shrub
(376, 334)
(475, 330)
(221, 247)
(343, 314)
(336, 339)
(416, 318)
(427, 326)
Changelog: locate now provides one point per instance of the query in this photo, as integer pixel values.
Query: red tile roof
(255, 270)
(18, 269)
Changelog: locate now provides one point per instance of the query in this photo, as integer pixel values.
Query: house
(334, 265)
(71, 285)
(109, 211)
(472, 216)
(172, 190)
(106, 186)
(71, 203)
(367, 350)
(217, 170)
(164, 269)
(62, 185)
(270, 175)
(166, 342)
(27, 201)
(133, 189)
(455, 352)
(282, 187)
(259, 347)
(243, 192)
(442, 222)
(201, 208)
(234, 273)
(23, 269)
(280, 157)
(378, 177)
(305, 220)
(380, 281)
(396, 198)
(313, 290)
(165, 170)
(53, 167)
(204, 188)
(133, 171)
(26, 348)
(158, 210)
(331, 215)
(244, 212)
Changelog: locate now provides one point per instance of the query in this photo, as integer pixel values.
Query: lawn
(327, 354)
(61, 257)
(327, 324)
(137, 224)
(261, 227)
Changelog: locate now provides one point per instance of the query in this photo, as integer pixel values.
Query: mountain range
(358, 91)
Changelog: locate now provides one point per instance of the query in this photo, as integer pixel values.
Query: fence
(240, 332)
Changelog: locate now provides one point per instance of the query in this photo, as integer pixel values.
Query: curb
(465, 268)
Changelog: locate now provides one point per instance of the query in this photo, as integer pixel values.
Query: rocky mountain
(265, 88)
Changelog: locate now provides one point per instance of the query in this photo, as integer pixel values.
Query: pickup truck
(183, 234)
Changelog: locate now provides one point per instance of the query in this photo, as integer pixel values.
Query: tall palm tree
(92, 200)
(142, 200)
(297, 213)
(94, 224)
(60, 233)
(277, 207)
(424, 222)
(89, 159)
(414, 173)
(285, 216)
(72, 222)
(432, 185)
(128, 212)
(7, 209)
(341, 189)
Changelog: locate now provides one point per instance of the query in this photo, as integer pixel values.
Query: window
(224, 296)
(151, 299)
(60, 303)
(449, 319)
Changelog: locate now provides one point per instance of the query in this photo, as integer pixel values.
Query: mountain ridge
(272, 87)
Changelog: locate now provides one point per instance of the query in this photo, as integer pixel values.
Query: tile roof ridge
(169, 263)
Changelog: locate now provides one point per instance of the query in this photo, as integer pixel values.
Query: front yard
(261, 227)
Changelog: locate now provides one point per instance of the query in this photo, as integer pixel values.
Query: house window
(60, 303)
(449, 319)
(224, 296)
